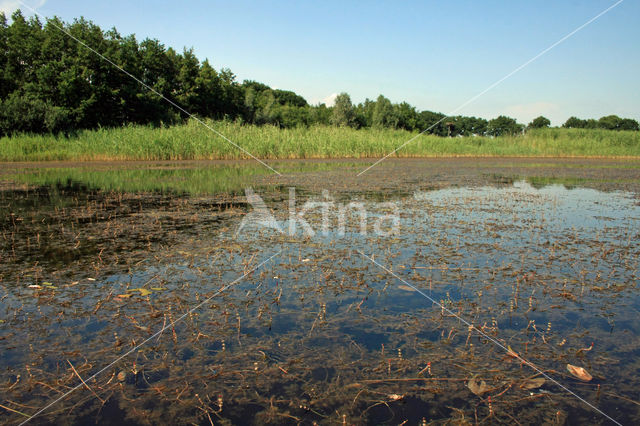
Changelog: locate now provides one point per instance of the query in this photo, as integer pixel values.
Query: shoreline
(249, 161)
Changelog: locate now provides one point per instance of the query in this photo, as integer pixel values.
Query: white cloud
(10, 6)
(524, 113)
(329, 100)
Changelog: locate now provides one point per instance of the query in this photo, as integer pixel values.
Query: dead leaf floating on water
(534, 383)
(477, 386)
(406, 288)
(579, 373)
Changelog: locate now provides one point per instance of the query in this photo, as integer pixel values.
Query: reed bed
(192, 141)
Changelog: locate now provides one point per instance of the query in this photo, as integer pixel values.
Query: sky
(433, 55)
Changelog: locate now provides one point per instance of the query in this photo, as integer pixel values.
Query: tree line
(609, 122)
(52, 84)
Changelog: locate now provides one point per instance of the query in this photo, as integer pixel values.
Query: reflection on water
(199, 179)
(319, 334)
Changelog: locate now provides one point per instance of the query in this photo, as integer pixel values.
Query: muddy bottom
(440, 291)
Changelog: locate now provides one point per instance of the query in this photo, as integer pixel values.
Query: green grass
(192, 141)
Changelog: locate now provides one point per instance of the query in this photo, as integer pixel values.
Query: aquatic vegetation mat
(319, 334)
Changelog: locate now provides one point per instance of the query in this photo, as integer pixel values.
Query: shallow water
(319, 333)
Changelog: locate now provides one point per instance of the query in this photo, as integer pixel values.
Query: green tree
(476, 126)
(343, 112)
(406, 116)
(263, 105)
(267, 108)
(575, 123)
(364, 113)
(383, 114)
(610, 122)
(289, 98)
(432, 123)
(186, 90)
(539, 123)
(613, 122)
(293, 116)
(232, 96)
(6, 83)
(320, 114)
(590, 123)
(503, 125)
(629, 124)
(209, 92)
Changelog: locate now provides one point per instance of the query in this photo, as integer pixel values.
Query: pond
(431, 292)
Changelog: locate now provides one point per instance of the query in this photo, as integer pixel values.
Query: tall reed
(192, 141)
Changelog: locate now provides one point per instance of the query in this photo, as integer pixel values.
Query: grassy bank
(194, 142)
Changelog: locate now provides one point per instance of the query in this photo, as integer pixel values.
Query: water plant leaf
(512, 353)
(406, 288)
(142, 291)
(477, 386)
(579, 373)
(533, 383)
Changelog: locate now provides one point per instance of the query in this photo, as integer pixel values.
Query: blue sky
(434, 55)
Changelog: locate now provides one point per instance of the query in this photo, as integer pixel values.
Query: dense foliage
(539, 123)
(51, 83)
(610, 122)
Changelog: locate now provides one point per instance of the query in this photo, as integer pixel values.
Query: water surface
(94, 263)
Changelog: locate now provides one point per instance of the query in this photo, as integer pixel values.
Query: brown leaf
(532, 383)
(122, 296)
(477, 386)
(579, 373)
(406, 288)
